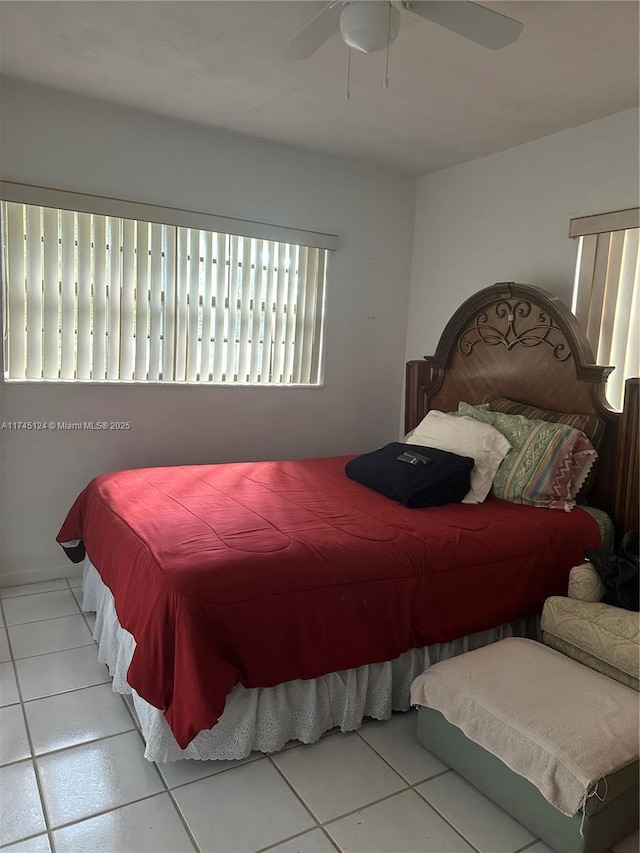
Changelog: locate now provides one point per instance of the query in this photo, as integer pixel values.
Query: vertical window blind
(606, 294)
(97, 297)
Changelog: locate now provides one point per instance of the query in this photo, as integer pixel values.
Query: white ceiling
(449, 101)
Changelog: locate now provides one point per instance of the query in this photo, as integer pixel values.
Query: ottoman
(602, 636)
(551, 741)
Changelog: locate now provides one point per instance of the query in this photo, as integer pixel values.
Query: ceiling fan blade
(484, 26)
(314, 34)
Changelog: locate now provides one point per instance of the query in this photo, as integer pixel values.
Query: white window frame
(269, 288)
(606, 292)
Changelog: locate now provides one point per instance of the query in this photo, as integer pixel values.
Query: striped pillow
(591, 425)
(547, 463)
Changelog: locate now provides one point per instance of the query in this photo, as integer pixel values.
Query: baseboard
(18, 577)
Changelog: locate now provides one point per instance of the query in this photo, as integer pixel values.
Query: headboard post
(419, 378)
(522, 342)
(626, 506)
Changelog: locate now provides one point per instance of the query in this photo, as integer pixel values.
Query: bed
(245, 605)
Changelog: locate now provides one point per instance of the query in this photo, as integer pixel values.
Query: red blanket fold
(263, 572)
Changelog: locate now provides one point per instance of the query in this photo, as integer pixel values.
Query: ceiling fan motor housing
(369, 26)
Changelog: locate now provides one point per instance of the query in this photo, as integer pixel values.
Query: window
(606, 293)
(97, 297)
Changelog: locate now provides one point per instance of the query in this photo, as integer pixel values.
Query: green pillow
(547, 463)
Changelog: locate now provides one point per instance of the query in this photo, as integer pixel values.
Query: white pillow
(466, 437)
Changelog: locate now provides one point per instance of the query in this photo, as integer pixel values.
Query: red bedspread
(263, 572)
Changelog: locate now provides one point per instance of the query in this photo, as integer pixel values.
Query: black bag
(619, 572)
(413, 475)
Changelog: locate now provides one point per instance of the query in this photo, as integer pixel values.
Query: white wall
(506, 218)
(55, 139)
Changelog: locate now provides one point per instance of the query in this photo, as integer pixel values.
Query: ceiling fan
(370, 25)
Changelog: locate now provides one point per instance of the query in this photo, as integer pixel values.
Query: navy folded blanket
(433, 478)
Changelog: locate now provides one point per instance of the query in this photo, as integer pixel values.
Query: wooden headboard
(522, 342)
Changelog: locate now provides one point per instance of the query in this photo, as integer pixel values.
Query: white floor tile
(338, 774)
(5, 654)
(242, 810)
(631, 844)
(77, 593)
(311, 842)
(482, 822)
(44, 605)
(151, 825)
(14, 744)
(8, 687)
(401, 824)
(75, 582)
(32, 588)
(177, 773)
(1, 620)
(396, 741)
(39, 844)
(539, 847)
(58, 672)
(91, 619)
(52, 635)
(85, 780)
(19, 803)
(74, 718)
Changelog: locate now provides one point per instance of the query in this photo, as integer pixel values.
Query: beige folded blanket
(550, 719)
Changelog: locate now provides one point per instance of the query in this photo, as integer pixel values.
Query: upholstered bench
(598, 635)
(551, 741)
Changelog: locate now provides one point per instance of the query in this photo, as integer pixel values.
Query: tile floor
(73, 777)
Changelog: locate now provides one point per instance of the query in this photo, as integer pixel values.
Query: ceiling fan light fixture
(369, 25)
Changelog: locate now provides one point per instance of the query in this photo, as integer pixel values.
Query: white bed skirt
(266, 718)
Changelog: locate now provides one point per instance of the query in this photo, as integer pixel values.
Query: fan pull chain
(385, 85)
(348, 92)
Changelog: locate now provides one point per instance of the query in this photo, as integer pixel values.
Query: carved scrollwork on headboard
(516, 323)
(519, 341)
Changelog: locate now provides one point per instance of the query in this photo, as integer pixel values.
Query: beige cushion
(589, 660)
(585, 583)
(608, 633)
(559, 724)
